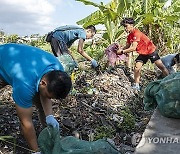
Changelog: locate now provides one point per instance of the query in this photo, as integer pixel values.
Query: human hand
(50, 120)
(75, 65)
(114, 47)
(94, 63)
(120, 52)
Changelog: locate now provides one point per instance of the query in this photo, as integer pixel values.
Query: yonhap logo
(162, 140)
(156, 140)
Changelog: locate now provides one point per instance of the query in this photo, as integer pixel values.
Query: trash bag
(68, 63)
(50, 142)
(113, 57)
(165, 94)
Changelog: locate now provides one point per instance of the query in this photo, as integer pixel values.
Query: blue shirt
(167, 61)
(22, 67)
(69, 36)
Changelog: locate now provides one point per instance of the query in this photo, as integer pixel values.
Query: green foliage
(96, 52)
(4, 138)
(162, 25)
(45, 46)
(34, 43)
(93, 19)
(128, 120)
(101, 132)
(12, 38)
(107, 15)
(7, 138)
(2, 33)
(41, 43)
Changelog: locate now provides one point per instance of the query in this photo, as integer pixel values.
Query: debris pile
(98, 106)
(6, 94)
(104, 106)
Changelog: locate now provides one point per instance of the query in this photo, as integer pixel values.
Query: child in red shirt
(139, 42)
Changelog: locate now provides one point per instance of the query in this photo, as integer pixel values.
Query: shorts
(144, 58)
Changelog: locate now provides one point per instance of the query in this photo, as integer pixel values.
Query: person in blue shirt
(63, 37)
(36, 76)
(171, 62)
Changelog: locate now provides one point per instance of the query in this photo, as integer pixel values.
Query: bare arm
(127, 46)
(81, 51)
(25, 117)
(47, 105)
(131, 48)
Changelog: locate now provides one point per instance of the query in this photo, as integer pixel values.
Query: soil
(98, 106)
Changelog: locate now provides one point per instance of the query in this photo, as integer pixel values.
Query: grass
(46, 47)
(7, 138)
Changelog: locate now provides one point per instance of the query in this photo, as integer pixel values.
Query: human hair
(177, 57)
(59, 83)
(127, 21)
(92, 28)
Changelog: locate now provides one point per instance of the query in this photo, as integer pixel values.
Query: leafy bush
(128, 120)
(103, 131)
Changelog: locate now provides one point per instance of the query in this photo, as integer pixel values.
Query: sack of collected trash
(68, 63)
(50, 142)
(165, 94)
(113, 57)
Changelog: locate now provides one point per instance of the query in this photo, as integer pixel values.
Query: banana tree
(110, 16)
(148, 14)
(161, 22)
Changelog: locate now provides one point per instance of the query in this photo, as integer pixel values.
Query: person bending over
(171, 62)
(63, 37)
(36, 76)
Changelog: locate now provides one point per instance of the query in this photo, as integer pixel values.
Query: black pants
(58, 47)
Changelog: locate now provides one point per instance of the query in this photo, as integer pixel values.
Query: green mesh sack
(68, 63)
(50, 142)
(149, 93)
(165, 94)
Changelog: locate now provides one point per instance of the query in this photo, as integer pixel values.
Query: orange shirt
(145, 46)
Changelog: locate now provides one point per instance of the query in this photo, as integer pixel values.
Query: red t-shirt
(145, 46)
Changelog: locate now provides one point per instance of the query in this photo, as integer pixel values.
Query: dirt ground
(98, 106)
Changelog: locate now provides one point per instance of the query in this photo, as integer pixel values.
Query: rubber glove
(94, 63)
(50, 120)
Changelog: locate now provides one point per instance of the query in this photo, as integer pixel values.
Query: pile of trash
(103, 105)
(107, 89)
(6, 94)
(99, 106)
